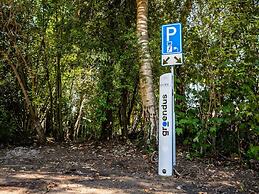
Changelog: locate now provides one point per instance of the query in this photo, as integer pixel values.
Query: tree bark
(146, 76)
(123, 113)
(35, 119)
(58, 129)
(78, 120)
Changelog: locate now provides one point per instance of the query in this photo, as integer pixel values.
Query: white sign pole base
(165, 150)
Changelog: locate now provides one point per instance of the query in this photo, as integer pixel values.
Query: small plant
(253, 152)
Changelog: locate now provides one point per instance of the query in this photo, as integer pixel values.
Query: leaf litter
(114, 167)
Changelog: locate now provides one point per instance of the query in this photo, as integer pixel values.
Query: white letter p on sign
(170, 31)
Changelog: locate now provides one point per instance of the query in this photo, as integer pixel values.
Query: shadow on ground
(112, 169)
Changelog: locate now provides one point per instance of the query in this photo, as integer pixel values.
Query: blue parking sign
(171, 38)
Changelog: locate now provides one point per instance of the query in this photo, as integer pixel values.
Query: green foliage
(253, 152)
(7, 126)
(221, 77)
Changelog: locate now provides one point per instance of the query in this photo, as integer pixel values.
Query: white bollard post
(165, 152)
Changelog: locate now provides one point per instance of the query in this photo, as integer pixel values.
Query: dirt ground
(114, 169)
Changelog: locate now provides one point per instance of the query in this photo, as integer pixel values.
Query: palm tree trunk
(146, 77)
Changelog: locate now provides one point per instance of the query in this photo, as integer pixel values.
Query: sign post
(171, 55)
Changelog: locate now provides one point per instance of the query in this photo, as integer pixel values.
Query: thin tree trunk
(123, 112)
(77, 123)
(146, 76)
(180, 72)
(59, 133)
(58, 109)
(35, 119)
(49, 115)
(132, 102)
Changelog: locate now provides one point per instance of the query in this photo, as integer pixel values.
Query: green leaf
(179, 131)
(213, 129)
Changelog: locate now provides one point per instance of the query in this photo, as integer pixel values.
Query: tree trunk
(78, 120)
(123, 113)
(146, 77)
(107, 124)
(58, 131)
(35, 119)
